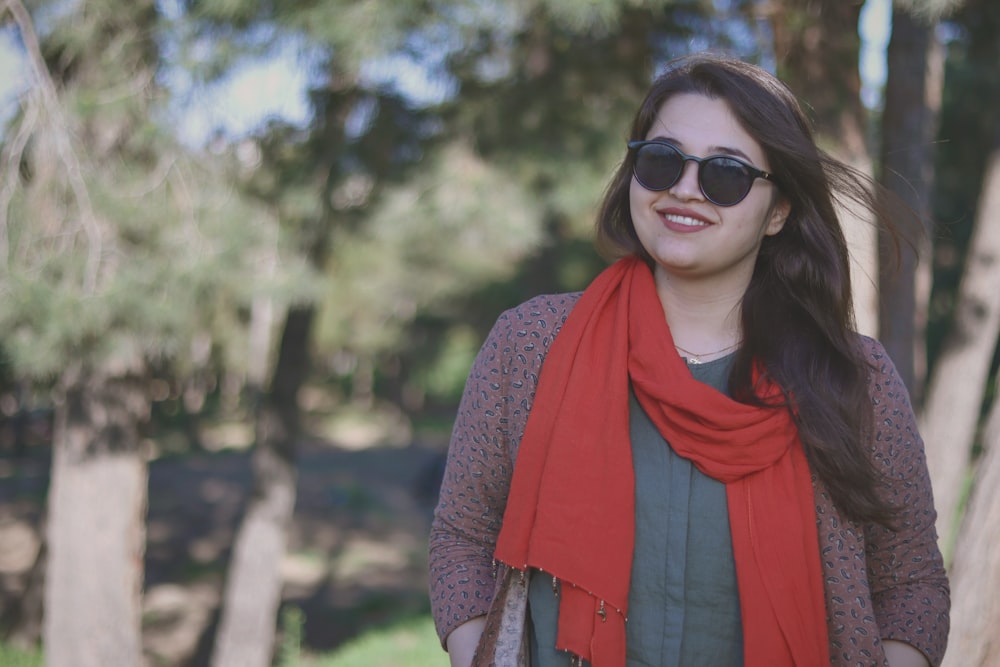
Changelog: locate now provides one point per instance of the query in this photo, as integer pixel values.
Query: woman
(712, 468)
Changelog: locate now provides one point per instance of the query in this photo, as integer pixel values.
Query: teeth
(686, 221)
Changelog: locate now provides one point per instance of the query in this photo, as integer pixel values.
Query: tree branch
(62, 140)
(10, 160)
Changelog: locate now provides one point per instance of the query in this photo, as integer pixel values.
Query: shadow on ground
(357, 555)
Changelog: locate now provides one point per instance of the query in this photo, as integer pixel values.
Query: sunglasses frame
(755, 173)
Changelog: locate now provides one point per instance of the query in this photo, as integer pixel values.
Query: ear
(777, 216)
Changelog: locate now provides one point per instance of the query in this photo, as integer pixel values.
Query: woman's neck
(704, 318)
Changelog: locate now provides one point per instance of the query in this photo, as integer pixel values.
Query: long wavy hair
(797, 315)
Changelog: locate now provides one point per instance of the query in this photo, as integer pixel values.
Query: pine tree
(119, 250)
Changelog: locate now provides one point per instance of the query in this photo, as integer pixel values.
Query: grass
(411, 642)
(12, 657)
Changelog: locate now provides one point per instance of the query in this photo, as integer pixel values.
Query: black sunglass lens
(658, 166)
(725, 181)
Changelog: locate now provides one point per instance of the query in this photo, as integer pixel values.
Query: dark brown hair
(797, 316)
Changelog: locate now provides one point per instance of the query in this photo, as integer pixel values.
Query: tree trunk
(958, 383)
(909, 122)
(816, 44)
(23, 622)
(96, 523)
(975, 574)
(253, 589)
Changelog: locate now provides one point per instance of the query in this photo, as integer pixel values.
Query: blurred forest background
(228, 365)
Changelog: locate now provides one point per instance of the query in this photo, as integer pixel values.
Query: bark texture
(975, 577)
(22, 623)
(958, 384)
(253, 590)
(909, 123)
(96, 524)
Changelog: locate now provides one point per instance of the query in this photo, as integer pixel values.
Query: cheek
(638, 197)
(759, 217)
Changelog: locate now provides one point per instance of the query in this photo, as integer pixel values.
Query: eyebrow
(713, 150)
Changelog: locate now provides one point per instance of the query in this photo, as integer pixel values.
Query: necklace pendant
(695, 359)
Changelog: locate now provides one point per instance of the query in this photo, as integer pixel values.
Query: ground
(357, 553)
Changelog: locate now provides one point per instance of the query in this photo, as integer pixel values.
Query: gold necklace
(696, 358)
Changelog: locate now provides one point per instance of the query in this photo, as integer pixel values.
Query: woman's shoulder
(545, 312)
(884, 381)
(881, 367)
(872, 347)
(895, 420)
(522, 335)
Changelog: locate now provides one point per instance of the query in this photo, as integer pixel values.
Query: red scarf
(571, 507)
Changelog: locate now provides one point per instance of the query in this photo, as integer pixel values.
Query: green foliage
(443, 376)
(14, 657)
(355, 31)
(290, 650)
(180, 253)
(458, 224)
(120, 244)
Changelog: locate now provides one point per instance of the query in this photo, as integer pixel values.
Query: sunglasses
(723, 179)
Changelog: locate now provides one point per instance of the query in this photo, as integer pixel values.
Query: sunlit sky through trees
(275, 85)
(12, 77)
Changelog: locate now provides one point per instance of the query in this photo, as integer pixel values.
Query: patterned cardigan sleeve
(909, 587)
(484, 441)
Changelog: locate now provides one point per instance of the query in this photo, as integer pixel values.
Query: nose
(686, 187)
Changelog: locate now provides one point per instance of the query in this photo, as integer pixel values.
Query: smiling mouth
(684, 221)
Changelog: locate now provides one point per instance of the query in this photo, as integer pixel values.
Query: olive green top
(683, 601)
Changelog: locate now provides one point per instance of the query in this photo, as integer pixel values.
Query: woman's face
(689, 237)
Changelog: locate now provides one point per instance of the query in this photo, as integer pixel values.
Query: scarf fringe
(556, 582)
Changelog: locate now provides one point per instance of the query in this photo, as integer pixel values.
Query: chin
(676, 264)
